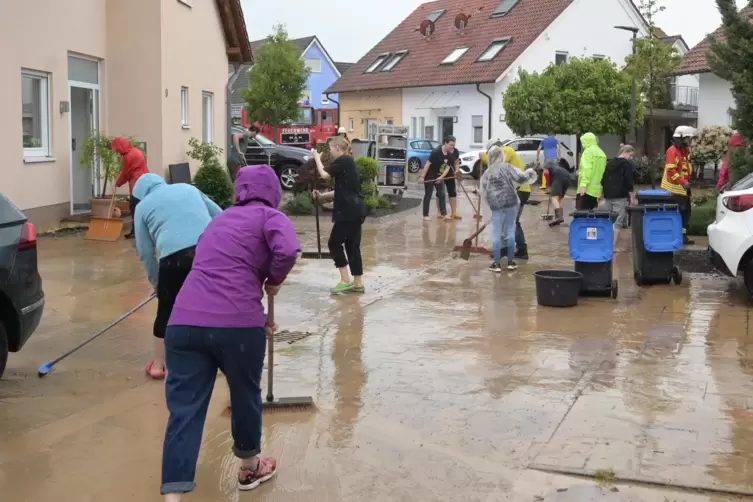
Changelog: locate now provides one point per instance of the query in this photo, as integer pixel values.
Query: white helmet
(493, 142)
(684, 132)
(341, 130)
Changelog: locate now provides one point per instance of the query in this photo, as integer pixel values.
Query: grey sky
(349, 28)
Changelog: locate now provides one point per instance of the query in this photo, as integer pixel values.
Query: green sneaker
(358, 289)
(341, 288)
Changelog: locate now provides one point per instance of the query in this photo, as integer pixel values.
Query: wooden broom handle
(112, 205)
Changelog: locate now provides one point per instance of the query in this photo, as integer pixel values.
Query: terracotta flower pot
(124, 206)
(100, 207)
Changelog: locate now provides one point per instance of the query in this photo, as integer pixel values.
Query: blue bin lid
(662, 230)
(591, 240)
(654, 193)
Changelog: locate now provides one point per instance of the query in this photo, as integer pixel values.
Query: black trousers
(429, 187)
(586, 202)
(345, 246)
(520, 237)
(132, 203)
(173, 271)
(684, 205)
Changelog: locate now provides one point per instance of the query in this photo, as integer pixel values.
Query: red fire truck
(312, 127)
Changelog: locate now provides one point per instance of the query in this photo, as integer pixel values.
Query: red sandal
(155, 375)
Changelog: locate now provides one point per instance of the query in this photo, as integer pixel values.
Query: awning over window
(437, 100)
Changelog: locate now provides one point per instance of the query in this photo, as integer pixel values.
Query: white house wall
(714, 101)
(460, 101)
(585, 29)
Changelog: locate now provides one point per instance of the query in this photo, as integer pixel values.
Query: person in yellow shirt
(524, 193)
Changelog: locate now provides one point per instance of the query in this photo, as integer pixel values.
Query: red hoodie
(134, 163)
(735, 141)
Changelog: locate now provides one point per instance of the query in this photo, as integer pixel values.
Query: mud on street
(443, 382)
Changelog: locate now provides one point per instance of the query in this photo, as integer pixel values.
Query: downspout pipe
(339, 117)
(489, 132)
(229, 107)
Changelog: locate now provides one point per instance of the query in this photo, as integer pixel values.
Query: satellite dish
(426, 28)
(461, 21)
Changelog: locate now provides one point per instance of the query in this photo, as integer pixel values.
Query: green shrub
(368, 189)
(649, 170)
(368, 167)
(372, 201)
(214, 182)
(384, 202)
(211, 178)
(300, 205)
(702, 216)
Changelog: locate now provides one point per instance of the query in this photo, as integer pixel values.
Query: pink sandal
(155, 375)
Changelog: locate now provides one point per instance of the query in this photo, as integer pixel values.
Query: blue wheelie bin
(657, 234)
(591, 243)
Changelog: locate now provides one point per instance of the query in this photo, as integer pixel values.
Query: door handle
(73, 144)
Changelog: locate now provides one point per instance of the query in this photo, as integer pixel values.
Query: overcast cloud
(349, 28)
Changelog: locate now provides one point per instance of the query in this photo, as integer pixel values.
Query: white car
(526, 148)
(731, 235)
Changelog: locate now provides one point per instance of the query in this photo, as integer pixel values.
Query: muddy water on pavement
(442, 382)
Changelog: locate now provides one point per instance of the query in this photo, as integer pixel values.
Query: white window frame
(493, 50)
(313, 68)
(44, 114)
(414, 127)
(394, 61)
(561, 53)
(351, 125)
(377, 62)
(184, 116)
(207, 117)
(421, 128)
(454, 56)
(325, 99)
(474, 128)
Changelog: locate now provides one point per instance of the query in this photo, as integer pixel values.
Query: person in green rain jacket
(592, 164)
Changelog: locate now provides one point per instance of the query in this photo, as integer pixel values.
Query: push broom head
(45, 370)
(290, 404)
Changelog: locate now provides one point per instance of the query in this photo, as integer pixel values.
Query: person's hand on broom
(271, 289)
(315, 194)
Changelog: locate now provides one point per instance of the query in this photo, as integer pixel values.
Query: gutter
(478, 88)
(339, 117)
(229, 107)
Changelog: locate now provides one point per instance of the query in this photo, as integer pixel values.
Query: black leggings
(345, 246)
(173, 271)
(429, 187)
(520, 237)
(449, 184)
(684, 206)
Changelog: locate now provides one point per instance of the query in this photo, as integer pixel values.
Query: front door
(446, 127)
(83, 115)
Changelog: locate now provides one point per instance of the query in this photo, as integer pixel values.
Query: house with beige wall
(358, 109)
(152, 69)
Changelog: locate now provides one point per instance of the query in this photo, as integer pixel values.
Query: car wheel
(3, 349)
(414, 165)
(677, 276)
(748, 277)
(476, 170)
(614, 289)
(288, 176)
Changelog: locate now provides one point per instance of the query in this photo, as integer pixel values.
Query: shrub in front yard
(211, 178)
(702, 215)
(301, 204)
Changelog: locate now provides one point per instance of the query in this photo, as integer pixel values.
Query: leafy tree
(582, 95)
(653, 65)
(276, 81)
(731, 59)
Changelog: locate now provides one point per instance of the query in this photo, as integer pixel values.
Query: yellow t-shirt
(511, 157)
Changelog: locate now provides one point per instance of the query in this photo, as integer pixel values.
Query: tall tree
(730, 58)
(276, 82)
(653, 64)
(579, 96)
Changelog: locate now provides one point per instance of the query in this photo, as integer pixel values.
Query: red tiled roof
(695, 60)
(421, 67)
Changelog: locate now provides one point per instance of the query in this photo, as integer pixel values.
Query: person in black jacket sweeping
(618, 188)
(348, 214)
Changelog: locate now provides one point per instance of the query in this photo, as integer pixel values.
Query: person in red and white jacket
(134, 166)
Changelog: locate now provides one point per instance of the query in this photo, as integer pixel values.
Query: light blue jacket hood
(147, 184)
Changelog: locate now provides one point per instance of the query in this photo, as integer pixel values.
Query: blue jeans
(193, 357)
(503, 227)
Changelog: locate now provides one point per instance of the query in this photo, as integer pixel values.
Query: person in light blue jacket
(168, 222)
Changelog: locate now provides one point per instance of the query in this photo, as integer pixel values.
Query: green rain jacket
(592, 165)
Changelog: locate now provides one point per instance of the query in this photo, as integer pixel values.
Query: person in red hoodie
(134, 165)
(736, 141)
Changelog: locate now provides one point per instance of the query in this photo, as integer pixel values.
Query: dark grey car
(21, 295)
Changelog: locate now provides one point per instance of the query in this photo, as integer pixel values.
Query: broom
(302, 403)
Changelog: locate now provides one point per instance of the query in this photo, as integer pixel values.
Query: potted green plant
(97, 155)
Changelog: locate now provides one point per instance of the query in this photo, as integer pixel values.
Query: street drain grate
(291, 336)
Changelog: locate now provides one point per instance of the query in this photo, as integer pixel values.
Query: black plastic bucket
(558, 288)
